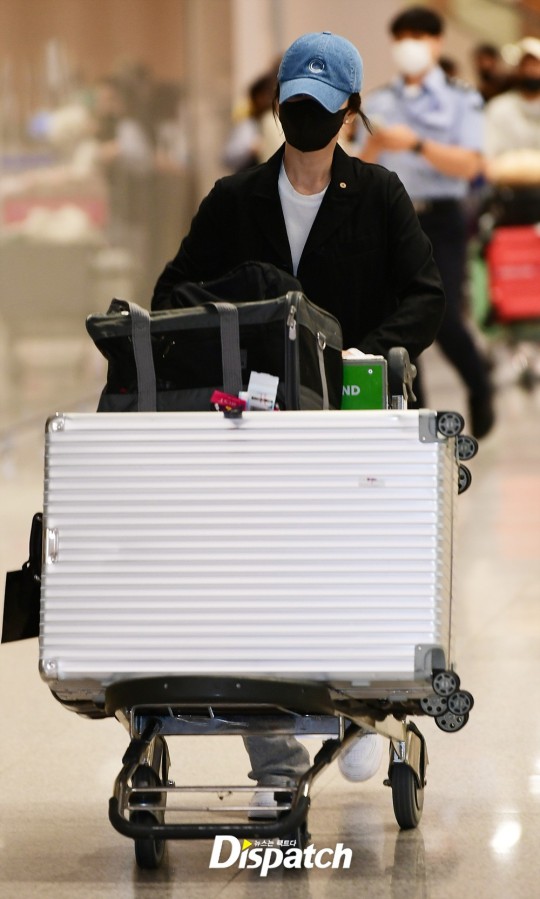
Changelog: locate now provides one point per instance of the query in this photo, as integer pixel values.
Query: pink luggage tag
(225, 402)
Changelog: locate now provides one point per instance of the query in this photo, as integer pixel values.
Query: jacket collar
(343, 172)
(434, 82)
(345, 184)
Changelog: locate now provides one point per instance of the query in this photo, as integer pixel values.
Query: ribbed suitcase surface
(306, 544)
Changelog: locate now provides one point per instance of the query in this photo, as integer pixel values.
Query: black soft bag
(173, 360)
(22, 592)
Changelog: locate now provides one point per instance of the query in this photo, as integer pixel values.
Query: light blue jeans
(276, 761)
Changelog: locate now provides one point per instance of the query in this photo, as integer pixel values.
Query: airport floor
(479, 833)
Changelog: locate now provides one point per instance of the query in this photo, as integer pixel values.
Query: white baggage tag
(262, 391)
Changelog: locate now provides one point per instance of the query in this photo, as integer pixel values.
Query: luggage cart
(248, 573)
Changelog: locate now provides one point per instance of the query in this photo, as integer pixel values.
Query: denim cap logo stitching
(316, 66)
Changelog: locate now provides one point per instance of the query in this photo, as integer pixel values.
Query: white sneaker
(363, 757)
(263, 805)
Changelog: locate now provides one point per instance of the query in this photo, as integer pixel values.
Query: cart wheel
(460, 703)
(464, 479)
(434, 705)
(298, 838)
(450, 424)
(148, 852)
(407, 796)
(467, 447)
(451, 723)
(445, 683)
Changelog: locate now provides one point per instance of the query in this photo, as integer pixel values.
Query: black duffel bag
(174, 359)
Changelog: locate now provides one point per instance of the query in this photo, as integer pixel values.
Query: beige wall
(208, 83)
(97, 33)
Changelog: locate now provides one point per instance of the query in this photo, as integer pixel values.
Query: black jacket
(366, 259)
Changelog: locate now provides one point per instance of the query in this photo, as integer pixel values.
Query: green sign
(364, 384)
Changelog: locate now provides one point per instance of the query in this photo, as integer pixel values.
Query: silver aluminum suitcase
(297, 545)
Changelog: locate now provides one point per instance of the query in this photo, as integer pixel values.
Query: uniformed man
(428, 129)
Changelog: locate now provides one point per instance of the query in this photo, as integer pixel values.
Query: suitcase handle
(401, 374)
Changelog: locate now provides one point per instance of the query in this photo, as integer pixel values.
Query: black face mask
(529, 85)
(308, 126)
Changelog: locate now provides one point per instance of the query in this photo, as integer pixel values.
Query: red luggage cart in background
(512, 257)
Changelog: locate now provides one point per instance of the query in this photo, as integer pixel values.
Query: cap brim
(328, 96)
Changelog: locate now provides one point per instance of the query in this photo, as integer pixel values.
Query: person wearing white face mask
(429, 130)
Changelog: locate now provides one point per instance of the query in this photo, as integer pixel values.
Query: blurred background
(116, 117)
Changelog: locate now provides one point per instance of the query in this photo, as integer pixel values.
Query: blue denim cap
(323, 66)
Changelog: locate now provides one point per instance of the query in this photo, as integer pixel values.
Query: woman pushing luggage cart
(265, 575)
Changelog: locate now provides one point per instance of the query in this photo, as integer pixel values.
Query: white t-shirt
(299, 211)
(512, 123)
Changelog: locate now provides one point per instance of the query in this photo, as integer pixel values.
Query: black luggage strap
(230, 347)
(144, 361)
(321, 346)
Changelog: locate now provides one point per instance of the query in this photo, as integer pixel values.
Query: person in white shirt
(513, 124)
